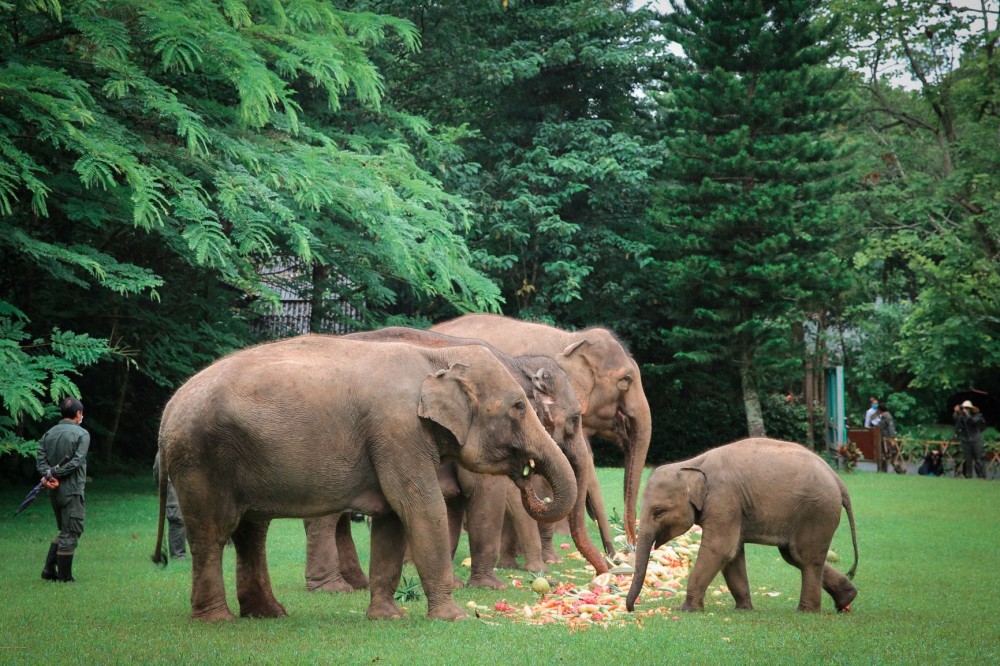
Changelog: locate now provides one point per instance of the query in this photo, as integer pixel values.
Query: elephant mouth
(623, 424)
(537, 507)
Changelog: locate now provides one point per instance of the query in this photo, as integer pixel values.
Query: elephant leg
(385, 566)
(839, 586)
(715, 553)
(735, 574)
(253, 582)
(810, 598)
(546, 531)
(485, 514)
(508, 544)
(546, 534)
(208, 594)
(526, 531)
(347, 552)
(426, 530)
(323, 570)
(456, 514)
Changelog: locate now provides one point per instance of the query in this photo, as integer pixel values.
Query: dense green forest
(746, 192)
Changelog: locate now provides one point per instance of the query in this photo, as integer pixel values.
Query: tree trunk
(121, 379)
(317, 310)
(751, 399)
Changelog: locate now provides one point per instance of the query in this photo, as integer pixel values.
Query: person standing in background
(177, 537)
(65, 440)
(871, 416)
(890, 450)
(969, 427)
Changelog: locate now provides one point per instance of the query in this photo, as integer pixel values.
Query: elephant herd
(416, 429)
(483, 421)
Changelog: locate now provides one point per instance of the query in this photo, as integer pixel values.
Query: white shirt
(872, 418)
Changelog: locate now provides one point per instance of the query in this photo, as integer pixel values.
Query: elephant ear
(697, 484)
(541, 383)
(445, 398)
(578, 353)
(541, 380)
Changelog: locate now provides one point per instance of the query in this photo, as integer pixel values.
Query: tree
(746, 235)
(930, 113)
(154, 155)
(558, 169)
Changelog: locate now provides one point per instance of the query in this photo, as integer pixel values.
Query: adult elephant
(605, 377)
(317, 425)
(482, 498)
(753, 491)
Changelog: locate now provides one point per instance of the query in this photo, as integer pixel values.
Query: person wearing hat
(969, 427)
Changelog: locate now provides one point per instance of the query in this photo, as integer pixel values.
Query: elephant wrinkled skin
(761, 491)
(605, 378)
(317, 425)
(483, 498)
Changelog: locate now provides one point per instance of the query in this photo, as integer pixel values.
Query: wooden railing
(914, 450)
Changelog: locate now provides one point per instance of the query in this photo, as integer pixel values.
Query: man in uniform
(65, 441)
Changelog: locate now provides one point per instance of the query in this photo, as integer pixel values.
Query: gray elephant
(761, 491)
(605, 378)
(317, 425)
(482, 498)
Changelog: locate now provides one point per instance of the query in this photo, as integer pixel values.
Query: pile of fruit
(601, 601)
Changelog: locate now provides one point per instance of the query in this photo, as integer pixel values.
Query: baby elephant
(752, 491)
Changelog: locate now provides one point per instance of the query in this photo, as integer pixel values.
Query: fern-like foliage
(152, 154)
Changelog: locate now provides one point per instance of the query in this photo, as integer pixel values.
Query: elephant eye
(624, 383)
(519, 408)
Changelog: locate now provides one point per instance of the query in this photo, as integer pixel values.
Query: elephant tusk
(531, 463)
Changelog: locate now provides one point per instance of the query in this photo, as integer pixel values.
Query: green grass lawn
(928, 585)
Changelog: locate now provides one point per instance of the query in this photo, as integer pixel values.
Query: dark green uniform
(66, 438)
(177, 532)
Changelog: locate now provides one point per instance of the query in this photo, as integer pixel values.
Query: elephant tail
(160, 553)
(845, 501)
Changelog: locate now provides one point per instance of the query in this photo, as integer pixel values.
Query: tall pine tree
(745, 243)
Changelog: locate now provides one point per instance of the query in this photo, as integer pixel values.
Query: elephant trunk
(553, 466)
(635, 460)
(642, 550)
(577, 521)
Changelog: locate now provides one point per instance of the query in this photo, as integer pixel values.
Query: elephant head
(608, 383)
(497, 431)
(671, 504)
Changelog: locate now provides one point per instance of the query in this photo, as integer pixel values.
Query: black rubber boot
(65, 564)
(49, 572)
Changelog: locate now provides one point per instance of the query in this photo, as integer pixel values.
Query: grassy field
(928, 581)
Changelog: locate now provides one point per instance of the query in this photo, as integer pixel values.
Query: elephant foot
(844, 599)
(335, 585)
(549, 556)
(744, 606)
(447, 611)
(262, 609)
(213, 615)
(384, 611)
(357, 581)
(690, 606)
(507, 562)
(457, 583)
(490, 581)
